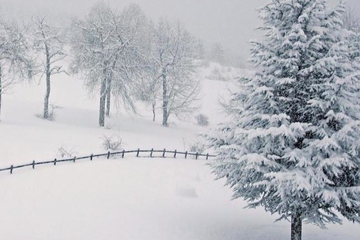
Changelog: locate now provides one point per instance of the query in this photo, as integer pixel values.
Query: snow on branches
(293, 146)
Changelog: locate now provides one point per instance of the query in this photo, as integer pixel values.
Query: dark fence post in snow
(123, 154)
(54, 161)
(207, 156)
(163, 155)
(185, 154)
(196, 155)
(91, 157)
(138, 152)
(108, 155)
(74, 159)
(175, 154)
(11, 169)
(33, 164)
(151, 152)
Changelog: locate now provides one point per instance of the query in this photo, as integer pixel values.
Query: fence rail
(152, 154)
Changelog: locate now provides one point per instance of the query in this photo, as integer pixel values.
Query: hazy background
(229, 22)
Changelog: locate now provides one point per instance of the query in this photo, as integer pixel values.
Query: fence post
(123, 154)
(207, 156)
(33, 164)
(163, 155)
(196, 155)
(185, 154)
(138, 151)
(11, 169)
(175, 154)
(74, 159)
(54, 161)
(108, 155)
(151, 152)
(91, 157)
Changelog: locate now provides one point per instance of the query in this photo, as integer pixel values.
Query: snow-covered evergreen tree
(293, 146)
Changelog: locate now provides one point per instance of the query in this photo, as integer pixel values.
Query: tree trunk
(296, 226)
(109, 86)
(48, 87)
(165, 100)
(108, 96)
(154, 110)
(102, 102)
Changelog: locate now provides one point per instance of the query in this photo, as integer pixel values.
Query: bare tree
(173, 57)
(126, 68)
(90, 40)
(14, 55)
(148, 82)
(103, 46)
(48, 41)
(148, 88)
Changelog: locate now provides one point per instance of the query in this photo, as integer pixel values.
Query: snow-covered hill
(127, 198)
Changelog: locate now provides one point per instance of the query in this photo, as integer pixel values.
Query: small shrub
(197, 147)
(112, 143)
(65, 152)
(202, 120)
(109, 126)
(216, 74)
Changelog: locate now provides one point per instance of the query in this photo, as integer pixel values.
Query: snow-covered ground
(130, 198)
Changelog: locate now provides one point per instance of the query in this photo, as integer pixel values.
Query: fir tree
(293, 146)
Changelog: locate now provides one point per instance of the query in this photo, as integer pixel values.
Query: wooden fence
(151, 153)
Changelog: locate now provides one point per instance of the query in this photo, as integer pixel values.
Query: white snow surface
(131, 198)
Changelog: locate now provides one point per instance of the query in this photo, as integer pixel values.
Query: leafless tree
(148, 83)
(174, 51)
(49, 42)
(131, 33)
(15, 59)
(103, 47)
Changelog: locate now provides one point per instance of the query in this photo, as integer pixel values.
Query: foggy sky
(229, 22)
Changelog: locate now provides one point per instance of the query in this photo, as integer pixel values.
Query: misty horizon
(231, 23)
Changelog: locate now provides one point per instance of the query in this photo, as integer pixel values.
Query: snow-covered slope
(131, 198)
(143, 199)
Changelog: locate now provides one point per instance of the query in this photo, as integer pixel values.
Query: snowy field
(131, 198)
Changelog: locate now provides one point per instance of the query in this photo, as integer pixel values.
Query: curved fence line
(152, 154)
